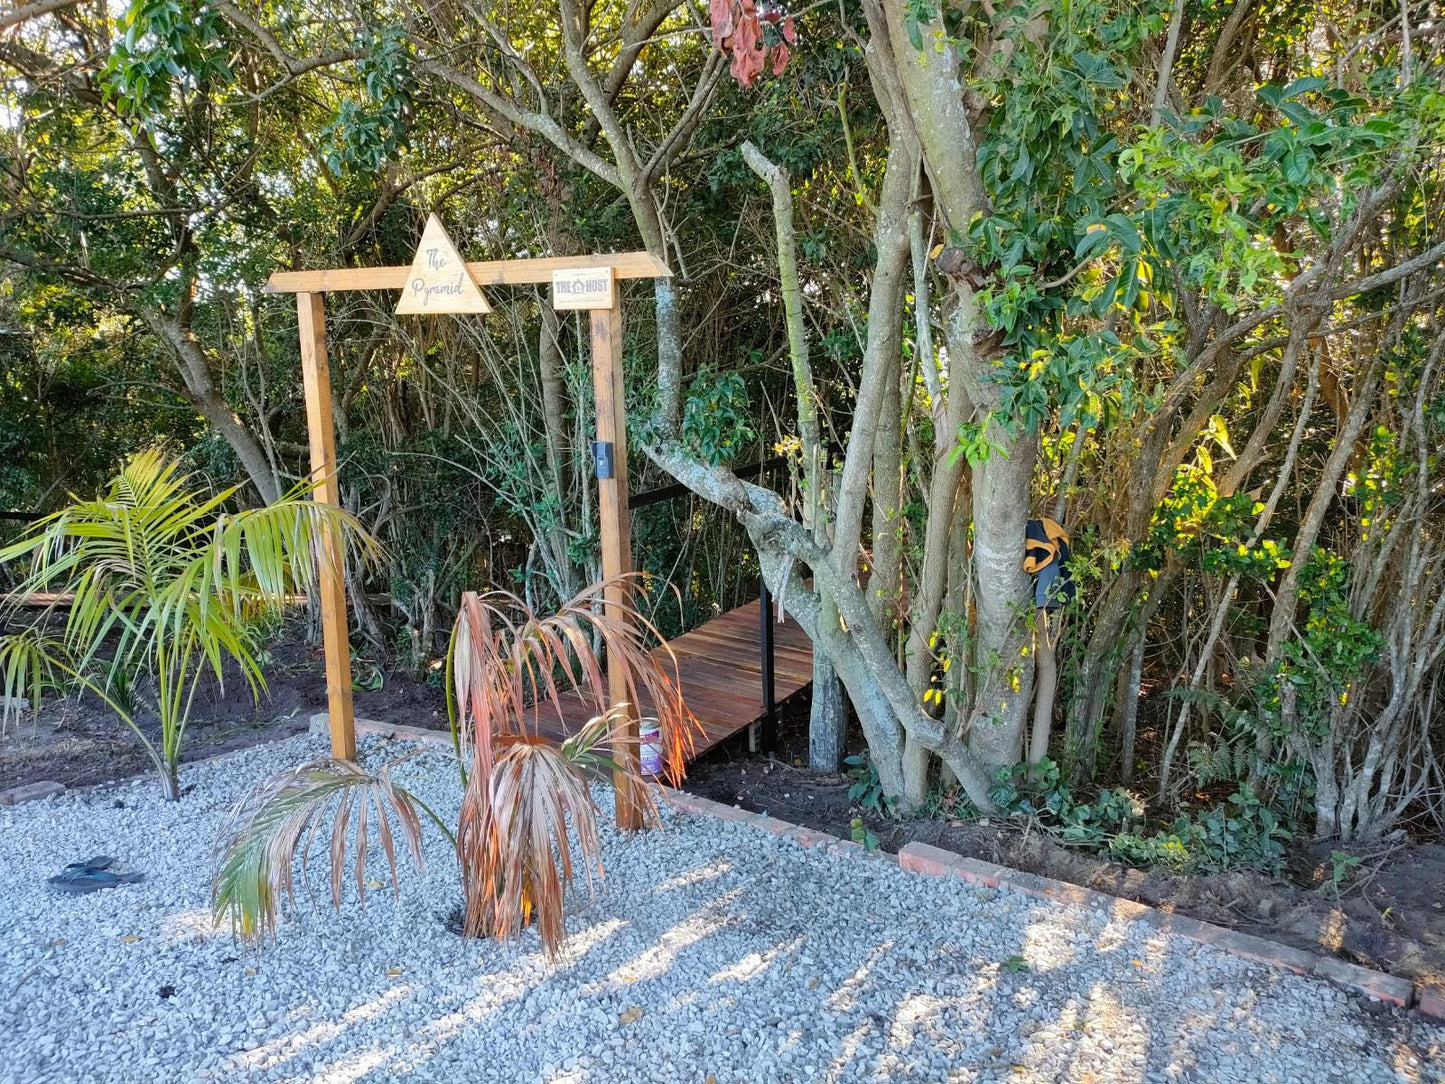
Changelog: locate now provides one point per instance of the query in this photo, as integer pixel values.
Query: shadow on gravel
(794, 969)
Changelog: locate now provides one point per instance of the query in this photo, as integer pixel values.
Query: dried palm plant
(527, 798)
(511, 669)
(258, 846)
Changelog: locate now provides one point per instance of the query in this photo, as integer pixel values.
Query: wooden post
(616, 522)
(331, 572)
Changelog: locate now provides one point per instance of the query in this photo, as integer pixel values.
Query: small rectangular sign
(582, 288)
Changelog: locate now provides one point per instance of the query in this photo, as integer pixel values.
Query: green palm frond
(274, 824)
(171, 582)
(27, 667)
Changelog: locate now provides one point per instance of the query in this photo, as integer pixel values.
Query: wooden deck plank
(735, 640)
(719, 670)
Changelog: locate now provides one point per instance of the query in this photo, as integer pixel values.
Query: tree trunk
(1046, 680)
(1000, 519)
(170, 782)
(828, 711)
(195, 370)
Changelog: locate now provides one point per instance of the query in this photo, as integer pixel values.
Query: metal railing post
(768, 736)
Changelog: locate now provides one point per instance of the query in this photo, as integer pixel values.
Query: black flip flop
(92, 875)
(100, 861)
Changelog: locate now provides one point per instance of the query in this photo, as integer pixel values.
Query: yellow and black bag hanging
(1046, 557)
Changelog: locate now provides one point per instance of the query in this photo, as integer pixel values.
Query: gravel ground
(712, 953)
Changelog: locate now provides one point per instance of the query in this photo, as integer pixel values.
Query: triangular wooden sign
(439, 280)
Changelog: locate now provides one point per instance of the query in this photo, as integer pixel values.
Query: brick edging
(319, 725)
(808, 837)
(937, 862)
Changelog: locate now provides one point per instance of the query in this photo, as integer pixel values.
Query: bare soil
(1390, 915)
(79, 741)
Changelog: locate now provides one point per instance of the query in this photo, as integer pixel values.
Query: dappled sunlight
(1115, 934)
(1026, 997)
(910, 1013)
(658, 958)
(1047, 945)
(760, 965)
(491, 993)
(852, 1046)
(1109, 1023)
(1332, 931)
(755, 963)
(350, 1069)
(582, 942)
(845, 997)
(193, 925)
(696, 875)
(472, 1010)
(1408, 1066)
(285, 1048)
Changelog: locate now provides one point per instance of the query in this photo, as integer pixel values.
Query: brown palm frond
(268, 826)
(510, 666)
(514, 833)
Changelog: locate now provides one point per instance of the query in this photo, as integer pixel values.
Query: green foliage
(716, 424)
(973, 444)
(367, 134)
(862, 835)
(1015, 964)
(866, 790)
(1333, 649)
(1196, 524)
(164, 581)
(1219, 761)
(168, 46)
(1241, 832)
(1342, 868)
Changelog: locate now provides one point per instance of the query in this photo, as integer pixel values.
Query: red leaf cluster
(738, 28)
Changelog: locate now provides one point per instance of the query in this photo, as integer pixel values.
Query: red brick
(925, 858)
(1270, 953)
(1363, 980)
(809, 837)
(1432, 1001)
(773, 825)
(30, 792)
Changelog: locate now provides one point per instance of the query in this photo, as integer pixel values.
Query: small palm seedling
(527, 817)
(258, 841)
(164, 584)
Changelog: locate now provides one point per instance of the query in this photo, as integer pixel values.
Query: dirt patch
(1390, 916)
(79, 741)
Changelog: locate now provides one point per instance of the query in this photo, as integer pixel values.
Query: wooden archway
(311, 288)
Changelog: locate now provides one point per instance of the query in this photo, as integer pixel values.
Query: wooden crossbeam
(625, 265)
(310, 288)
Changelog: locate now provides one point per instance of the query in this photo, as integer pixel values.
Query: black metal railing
(767, 733)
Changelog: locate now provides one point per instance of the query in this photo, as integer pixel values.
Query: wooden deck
(720, 667)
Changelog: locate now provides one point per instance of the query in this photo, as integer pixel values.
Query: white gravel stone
(711, 951)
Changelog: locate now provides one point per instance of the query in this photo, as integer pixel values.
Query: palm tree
(508, 669)
(176, 584)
